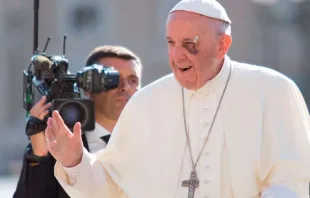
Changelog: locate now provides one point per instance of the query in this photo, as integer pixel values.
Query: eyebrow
(185, 39)
(133, 76)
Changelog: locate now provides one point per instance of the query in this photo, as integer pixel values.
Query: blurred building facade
(262, 35)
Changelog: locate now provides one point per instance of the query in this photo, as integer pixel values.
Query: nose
(177, 54)
(123, 85)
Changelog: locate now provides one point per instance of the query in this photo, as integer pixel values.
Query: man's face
(189, 61)
(112, 102)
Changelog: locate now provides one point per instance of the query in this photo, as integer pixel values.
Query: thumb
(77, 132)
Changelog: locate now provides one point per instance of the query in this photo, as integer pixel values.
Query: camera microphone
(41, 62)
(42, 67)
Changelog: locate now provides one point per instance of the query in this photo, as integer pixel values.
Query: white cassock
(259, 145)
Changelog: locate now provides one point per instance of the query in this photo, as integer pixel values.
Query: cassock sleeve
(284, 166)
(110, 172)
(88, 179)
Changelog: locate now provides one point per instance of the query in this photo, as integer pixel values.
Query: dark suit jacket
(39, 181)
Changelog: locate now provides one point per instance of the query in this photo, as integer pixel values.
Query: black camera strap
(34, 126)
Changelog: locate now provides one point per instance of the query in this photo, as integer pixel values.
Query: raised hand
(65, 146)
(40, 109)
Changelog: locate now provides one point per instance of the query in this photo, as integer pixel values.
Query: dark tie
(106, 138)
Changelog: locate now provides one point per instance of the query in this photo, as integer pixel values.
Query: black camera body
(51, 78)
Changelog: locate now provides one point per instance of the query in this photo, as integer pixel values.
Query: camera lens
(73, 112)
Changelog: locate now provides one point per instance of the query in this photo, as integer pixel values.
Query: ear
(225, 42)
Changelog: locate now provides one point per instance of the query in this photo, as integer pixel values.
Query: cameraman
(37, 176)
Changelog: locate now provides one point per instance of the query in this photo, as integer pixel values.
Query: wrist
(34, 126)
(72, 164)
(39, 146)
(33, 158)
(40, 153)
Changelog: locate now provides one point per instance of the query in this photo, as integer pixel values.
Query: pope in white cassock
(213, 128)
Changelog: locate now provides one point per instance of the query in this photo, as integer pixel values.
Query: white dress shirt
(95, 143)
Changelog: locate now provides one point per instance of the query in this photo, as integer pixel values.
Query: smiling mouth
(185, 68)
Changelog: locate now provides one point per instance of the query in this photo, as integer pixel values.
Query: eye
(191, 47)
(133, 81)
(189, 44)
(171, 43)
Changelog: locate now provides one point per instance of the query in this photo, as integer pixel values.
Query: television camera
(49, 76)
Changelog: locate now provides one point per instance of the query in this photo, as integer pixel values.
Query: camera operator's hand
(39, 110)
(65, 146)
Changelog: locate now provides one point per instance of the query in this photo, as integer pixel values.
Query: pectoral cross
(192, 183)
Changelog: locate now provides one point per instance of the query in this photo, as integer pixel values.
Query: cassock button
(206, 167)
(205, 181)
(205, 125)
(204, 110)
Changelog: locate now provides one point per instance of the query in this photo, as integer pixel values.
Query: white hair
(225, 28)
(222, 27)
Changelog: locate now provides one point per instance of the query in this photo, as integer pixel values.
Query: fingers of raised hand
(52, 132)
(77, 132)
(40, 103)
(49, 135)
(40, 109)
(45, 106)
(50, 139)
(43, 114)
(57, 118)
(58, 126)
(57, 134)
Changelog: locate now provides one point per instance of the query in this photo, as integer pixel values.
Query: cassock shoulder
(262, 77)
(145, 109)
(160, 90)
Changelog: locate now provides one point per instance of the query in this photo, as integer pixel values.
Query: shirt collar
(97, 133)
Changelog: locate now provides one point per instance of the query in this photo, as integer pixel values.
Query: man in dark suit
(37, 176)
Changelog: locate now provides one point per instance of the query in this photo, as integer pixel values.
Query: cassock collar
(96, 134)
(216, 83)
